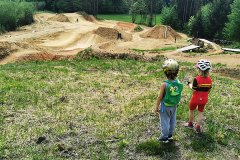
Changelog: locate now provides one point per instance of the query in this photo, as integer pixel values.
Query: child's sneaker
(170, 138)
(197, 129)
(188, 124)
(164, 140)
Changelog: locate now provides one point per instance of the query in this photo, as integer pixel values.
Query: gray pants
(168, 121)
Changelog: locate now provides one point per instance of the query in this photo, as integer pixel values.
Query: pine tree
(232, 28)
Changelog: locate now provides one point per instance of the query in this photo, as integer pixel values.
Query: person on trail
(201, 86)
(168, 99)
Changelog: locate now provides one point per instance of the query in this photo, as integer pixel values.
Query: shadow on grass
(202, 142)
(156, 148)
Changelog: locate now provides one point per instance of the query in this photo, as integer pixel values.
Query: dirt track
(67, 34)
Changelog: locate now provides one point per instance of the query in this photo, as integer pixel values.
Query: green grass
(231, 53)
(157, 50)
(103, 109)
(138, 29)
(124, 17)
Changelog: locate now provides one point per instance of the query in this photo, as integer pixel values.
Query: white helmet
(203, 65)
(170, 65)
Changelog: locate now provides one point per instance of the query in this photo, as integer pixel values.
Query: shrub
(138, 29)
(15, 14)
(85, 54)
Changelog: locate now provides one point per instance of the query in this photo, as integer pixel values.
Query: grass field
(157, 50)
(124, 17)
(103, 109)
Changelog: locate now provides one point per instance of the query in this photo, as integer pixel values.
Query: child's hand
(187, 80)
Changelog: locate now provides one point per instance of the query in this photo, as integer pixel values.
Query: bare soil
(59, 18)
(162, 32)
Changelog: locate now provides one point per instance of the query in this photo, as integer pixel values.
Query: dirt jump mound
(91, 18)
(126, 26)
(5, 50)
(59, 18)
(113, 34)
(161, 32)
(87, 17)
(43, 57)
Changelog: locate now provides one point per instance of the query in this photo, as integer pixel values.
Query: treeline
(14, 14)
(200, 18)
(205, 18)
(92, 6)
(146, 8)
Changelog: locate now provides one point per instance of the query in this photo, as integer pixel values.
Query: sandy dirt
(59, 35)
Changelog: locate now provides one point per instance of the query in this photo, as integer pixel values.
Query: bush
(15, 14)
(2, 29)
(85, 54)
(138, 29)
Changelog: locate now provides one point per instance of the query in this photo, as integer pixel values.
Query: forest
(211, 19)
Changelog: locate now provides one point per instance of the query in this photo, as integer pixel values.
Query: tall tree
(232, 28)
(220, 10)
(212, 18)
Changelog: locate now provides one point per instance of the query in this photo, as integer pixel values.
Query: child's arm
(193, 85)
(187, 82)
(160, 97)
(190, 85)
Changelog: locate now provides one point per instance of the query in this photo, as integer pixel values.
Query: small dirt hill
(91, 18)
(44, 57)
(59, 18)
(87, 17)
(112, 33)
(161, 32)
(126, 26)
(7, 48)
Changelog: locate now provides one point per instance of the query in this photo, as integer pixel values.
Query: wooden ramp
(206, 41)
(188, 48)
(231, 50)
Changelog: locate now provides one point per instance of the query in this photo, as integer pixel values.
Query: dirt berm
(161, 32)
(112, 34)
(87, 17)
(59, 18)
(7, 48)
(44, 57)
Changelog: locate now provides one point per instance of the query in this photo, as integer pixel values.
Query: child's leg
(200, 114)
(191, 115)
(164, 118)
(172, 120)
(200, 118)
(192, 107)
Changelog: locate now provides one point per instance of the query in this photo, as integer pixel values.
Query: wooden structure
(188, 48)
(231, 50)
